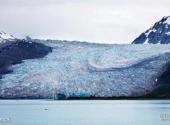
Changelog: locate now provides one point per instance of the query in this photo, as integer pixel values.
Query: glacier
(80, 69)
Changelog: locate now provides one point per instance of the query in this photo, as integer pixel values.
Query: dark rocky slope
(14, 52)
(162, 90)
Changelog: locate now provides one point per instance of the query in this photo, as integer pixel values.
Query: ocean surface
(85, 112)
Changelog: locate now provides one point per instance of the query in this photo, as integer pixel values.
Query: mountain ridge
(4, 37)
(159, 33)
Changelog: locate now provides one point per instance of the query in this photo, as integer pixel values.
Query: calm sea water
(87, 112)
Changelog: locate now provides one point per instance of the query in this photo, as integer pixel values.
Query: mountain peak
(157, 34)
(166, 20)
(6, 37)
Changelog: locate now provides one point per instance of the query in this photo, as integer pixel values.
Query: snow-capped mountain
(158, 34)
(6, 37)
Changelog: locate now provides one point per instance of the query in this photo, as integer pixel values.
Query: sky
(102, 21)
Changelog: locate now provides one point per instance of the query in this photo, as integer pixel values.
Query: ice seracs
(157, 34)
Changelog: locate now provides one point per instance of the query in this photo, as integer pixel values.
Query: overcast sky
(109, 21)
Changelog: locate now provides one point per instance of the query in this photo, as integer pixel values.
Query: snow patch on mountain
(6, 37)
(168, 33)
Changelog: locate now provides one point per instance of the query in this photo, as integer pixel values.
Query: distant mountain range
(157, 34)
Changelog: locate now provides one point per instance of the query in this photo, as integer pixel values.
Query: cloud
(112, 21)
